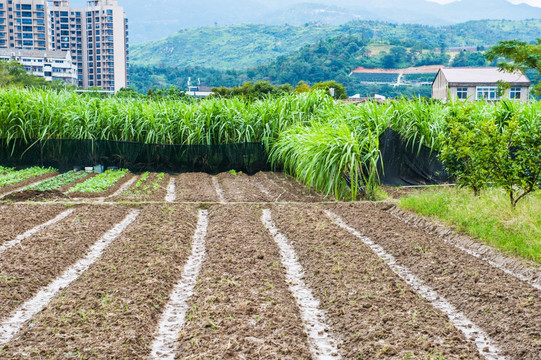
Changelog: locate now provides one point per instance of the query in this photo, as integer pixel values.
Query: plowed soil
(242, 188)
(195, 187)
(17, 219)
(374, 313)
(291, 186)
(277, 193)
(506, 308)
(38, 260)
(111, 311)
(243, 306)
(34, 195)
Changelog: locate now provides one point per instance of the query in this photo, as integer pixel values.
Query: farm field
(196, 266)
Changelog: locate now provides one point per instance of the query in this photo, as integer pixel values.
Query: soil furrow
(219, 190)
(174, 315)
(17, 219)
(112, 310)
(526, 271)
(485, 345)
(290, 185)
(369, 308)
(241, 188)
(322, 344)
(171, 194)
(507, 309)
(242, 307)
(195, 187)
(20, 238)
(15, 322)
(278, 193)
(39, 259)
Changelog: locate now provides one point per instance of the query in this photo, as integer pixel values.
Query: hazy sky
(530, 2)
(536, 3)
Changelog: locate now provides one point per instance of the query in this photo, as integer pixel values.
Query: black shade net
(403, 164)
(64, 155)
(408, 163)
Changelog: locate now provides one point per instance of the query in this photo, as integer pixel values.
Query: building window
(462, 93)
(489, 93)
(515, 93)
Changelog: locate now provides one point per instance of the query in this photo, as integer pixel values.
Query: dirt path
(507, 309)
(17, 219)
(373, 312)
(111, 311)
(195, 187)
(39, 259)
(242, 307)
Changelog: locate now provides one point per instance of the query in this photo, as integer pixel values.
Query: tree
(339, 89)
(520, 56)
(302, 87)
(13, 74)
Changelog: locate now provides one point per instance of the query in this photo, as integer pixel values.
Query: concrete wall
(439, 88)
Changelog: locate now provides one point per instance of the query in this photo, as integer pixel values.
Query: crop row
(146, 184)
(99, 183)
(58, 181)
(14, 177)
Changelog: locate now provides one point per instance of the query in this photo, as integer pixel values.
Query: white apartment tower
(96, 36)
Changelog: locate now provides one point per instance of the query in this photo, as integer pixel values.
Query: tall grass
(332, 157)
(330, 146)
(38, 114)
(487, 217)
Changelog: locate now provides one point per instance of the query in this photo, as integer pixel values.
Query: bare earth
(243, 305)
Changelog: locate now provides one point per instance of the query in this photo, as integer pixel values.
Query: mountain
(153, 19)
(242, 46)
(334, 56)
(224, 47)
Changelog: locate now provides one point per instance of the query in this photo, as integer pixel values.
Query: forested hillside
(154, 19)
(241, 46)
(357, 44)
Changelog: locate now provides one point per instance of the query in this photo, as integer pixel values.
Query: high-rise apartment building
(96, 36)
(24, 24)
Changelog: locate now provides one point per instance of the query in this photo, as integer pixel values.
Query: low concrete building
(473, 84)
(49, 64)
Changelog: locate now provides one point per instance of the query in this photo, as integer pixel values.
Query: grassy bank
(489, 217)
